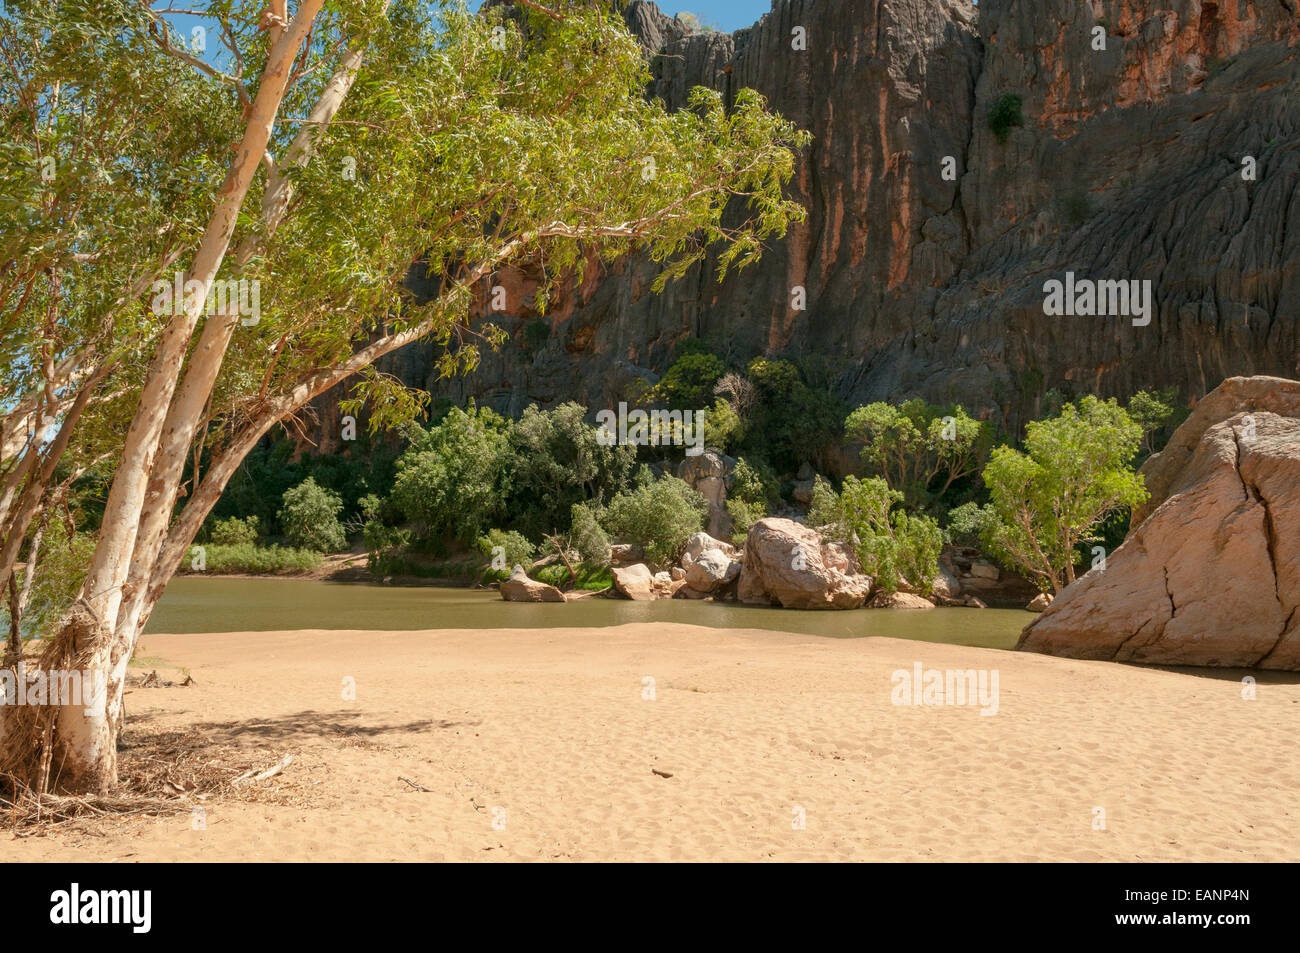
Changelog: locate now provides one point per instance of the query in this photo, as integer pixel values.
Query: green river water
(241, 604)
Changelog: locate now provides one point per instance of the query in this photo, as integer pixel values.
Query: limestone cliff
(1127, 164)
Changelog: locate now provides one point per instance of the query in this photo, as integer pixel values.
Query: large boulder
(1212, 575)
(636, 582)
(698, 543)
(520, 588)
(712, 569)
(899, 600)
(784, 565)
(708, 474)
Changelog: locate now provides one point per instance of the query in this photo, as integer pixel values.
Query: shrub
(826, 512)
(1005, 114)
(658, 516)
(557, 459)
(234, 531)
(893, 545)
(744, 515)
(513, 548)
(245, 557)
(586, 536)
(310, 517)
(452, 478)
(689, 381)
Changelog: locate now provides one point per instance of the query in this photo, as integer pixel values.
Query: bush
(1005, 114)
(557, 459)
(310, 517)
(234, 531)
(826, 513)
(586, 536)
(743, 516)
(245, 557)
(513, 548)
(893, 545)
(452, 478)
(658, 517)
(689, 381)
(967, 524)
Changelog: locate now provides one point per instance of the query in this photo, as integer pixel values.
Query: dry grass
(162, 772)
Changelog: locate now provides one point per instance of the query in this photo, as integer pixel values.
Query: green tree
(919, 449)
(453, 477)
(558, 460)
(587, 537)
(335, 147)
(791, 422)
(1154, 411)
(1046, 501)
(658, 516)
(310, 517)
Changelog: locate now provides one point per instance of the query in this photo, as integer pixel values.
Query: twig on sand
(418, 787)
(268, 773)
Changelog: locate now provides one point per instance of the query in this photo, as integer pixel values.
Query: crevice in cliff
(1119, 648)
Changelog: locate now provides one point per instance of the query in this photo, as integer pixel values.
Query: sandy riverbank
(549, 730)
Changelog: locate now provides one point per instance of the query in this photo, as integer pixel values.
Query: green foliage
(1005, 115)
(452, 478)
(514, 548)
(1156, 412)
(589, 576)
(310, 517)
(63, 559)
(723, 427)
(754, 483)
(826, 512)
(587, 537)
(967, 524)
(791, 422)
(893, 545)
(689, 381)
(744, 515)
(658, 516)
(384, 545)
(234, 531)
(1048, 500)
(246, 557)
(919, 449)
(557, 460)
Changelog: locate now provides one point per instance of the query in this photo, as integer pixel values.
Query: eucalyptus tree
(332, 148)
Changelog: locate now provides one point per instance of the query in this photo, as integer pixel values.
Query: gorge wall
(1127, 165)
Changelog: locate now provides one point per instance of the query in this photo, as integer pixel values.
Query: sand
(539, 745)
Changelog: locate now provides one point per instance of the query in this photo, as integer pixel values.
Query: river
(226, 604)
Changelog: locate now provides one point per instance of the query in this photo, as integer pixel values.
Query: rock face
(1127, 164)
(1212, 575)
(784, 565)
(520, 588)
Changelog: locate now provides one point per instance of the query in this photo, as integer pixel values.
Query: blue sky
(725, 15)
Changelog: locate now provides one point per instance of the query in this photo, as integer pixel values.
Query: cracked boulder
(1211, 576)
